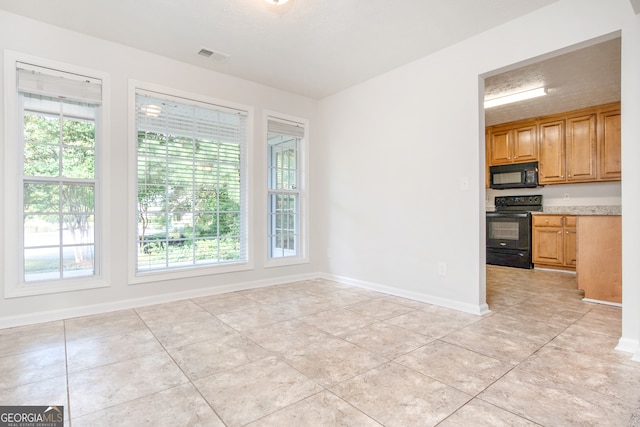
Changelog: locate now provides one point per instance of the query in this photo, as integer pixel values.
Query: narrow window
(59, 118)
(284, 187)
(190, 189)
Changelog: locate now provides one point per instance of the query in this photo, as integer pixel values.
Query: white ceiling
(311, 47)
(580, 78)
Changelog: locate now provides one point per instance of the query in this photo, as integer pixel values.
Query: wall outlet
(442, 268)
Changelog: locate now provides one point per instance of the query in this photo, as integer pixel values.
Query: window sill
(43, 288)
(285, 261)
(183, 273)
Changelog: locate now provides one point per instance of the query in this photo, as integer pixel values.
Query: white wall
(122, 63)
(400, 148)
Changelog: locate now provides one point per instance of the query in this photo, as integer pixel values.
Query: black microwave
(518, 175)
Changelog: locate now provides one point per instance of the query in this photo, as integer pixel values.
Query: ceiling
(576, 79)
(313, 48)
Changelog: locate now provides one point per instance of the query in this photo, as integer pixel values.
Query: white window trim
(136, 277)
(303, 254)
(14, 285)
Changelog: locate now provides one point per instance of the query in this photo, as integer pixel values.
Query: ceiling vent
(213, 55)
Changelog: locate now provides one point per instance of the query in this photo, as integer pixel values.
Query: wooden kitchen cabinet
(568, 150)
(599, 250)
(581, 149)
(577, 146)
(513, 143)
(609, 153)
(551, 166)
(554, 241)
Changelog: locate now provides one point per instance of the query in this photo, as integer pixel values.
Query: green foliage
(59, 148)
(188, 194)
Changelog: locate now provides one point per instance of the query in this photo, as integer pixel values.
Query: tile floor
(319, 353)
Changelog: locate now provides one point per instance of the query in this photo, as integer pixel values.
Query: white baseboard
(597, 301)
(480, 309)
(629, 345)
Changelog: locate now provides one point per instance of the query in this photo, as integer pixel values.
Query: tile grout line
(166, 351)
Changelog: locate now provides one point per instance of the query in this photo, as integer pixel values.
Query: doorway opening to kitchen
(569, 132)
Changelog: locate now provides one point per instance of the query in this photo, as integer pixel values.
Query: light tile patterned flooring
(319, 353)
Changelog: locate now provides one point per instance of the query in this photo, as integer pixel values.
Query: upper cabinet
(551, 167)
(578, 146)
(609, 144)
(514, 143)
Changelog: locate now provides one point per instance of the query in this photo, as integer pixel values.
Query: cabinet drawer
(547, 221)
(569, 221)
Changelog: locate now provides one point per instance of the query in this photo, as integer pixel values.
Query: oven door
(509, 230)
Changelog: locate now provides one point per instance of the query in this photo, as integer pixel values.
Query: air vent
(214, 55)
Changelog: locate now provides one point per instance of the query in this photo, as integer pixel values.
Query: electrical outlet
(442, 268)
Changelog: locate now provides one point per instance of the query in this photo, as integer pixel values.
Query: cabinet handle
(559, 232)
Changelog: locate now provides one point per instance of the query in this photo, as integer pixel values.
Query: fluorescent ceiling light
(515, 97)
(276, 2)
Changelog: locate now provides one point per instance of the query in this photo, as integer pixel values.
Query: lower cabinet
(599, 268)
(554, 241)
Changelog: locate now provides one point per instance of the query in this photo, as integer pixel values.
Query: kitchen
(553, 168)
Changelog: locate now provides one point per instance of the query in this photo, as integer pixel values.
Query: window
(284, 140)
(55, 181)
(191, 184)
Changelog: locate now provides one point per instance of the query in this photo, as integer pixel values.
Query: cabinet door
(548, 245)
(609, 145)
(570, 246)
(581, 148)
(500, 146)
(525, 144)
(552, 164)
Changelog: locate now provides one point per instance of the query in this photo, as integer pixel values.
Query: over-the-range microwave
(518, 175)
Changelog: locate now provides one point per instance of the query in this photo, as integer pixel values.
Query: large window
(55, 182)
(190, 190)
(284, 140)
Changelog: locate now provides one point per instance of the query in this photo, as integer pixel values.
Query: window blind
(47, 81)
(282, 127)
(191, 182)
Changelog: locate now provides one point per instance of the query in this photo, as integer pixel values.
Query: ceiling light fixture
(276, 2)
(515, 97)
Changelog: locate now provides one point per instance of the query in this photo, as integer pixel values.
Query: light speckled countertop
(581, 210)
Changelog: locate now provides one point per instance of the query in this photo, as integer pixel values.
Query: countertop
(581, 210)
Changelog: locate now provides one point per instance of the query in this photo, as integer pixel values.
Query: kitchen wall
(404, 194)
(582, 194)
(123, 63)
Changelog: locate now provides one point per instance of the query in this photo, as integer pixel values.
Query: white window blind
(191, 188)
(46, 81)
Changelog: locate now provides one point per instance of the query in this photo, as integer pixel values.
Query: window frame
(15, 285)
(302, 219)
(136, 276)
